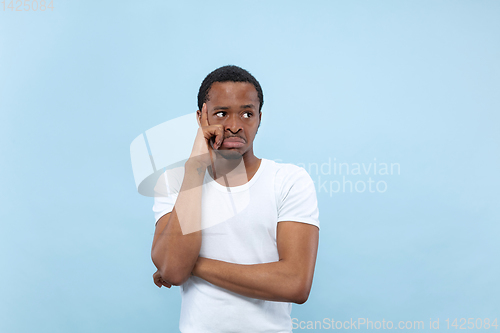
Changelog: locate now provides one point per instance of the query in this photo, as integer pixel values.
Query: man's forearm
(275, 281)
(178, 244)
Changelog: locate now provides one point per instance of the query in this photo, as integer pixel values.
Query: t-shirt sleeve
(165, 193)
(297, 198)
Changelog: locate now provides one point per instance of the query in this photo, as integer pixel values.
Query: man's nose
(233, 124)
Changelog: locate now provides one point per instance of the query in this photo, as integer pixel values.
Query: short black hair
(229, 73)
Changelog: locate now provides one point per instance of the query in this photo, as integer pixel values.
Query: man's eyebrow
(246, 106)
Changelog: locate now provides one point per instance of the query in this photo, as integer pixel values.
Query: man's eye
(220, 114)
(247, 114)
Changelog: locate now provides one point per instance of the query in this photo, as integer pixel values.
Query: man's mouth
(233, 142)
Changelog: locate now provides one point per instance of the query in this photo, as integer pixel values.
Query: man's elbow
(175, 277)
(300, 297)
(301, 293)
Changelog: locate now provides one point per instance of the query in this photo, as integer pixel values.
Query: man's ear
(260, 118)
(198, 117)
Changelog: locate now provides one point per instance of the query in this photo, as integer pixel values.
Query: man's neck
(235, 172)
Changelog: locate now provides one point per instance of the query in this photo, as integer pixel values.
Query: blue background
(410, 82)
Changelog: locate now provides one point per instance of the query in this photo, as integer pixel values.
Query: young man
(237, 233)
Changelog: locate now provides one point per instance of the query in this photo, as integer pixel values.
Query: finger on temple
(204, 115)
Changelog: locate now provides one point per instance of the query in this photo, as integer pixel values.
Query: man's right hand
(208, 138)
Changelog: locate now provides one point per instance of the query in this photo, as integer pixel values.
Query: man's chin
(230, 154)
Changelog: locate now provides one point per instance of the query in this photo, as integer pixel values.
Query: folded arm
(177, 239)
(286, 280)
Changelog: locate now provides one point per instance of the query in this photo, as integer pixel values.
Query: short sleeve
(297, 199)
(166, 191)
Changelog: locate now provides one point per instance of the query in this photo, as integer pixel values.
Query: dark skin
(234, 106)
(232, 113)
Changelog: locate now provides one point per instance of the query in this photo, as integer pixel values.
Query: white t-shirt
(239, 226)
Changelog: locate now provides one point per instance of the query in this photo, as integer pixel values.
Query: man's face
(235, 105)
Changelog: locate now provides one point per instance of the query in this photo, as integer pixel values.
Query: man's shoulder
(172, 178)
